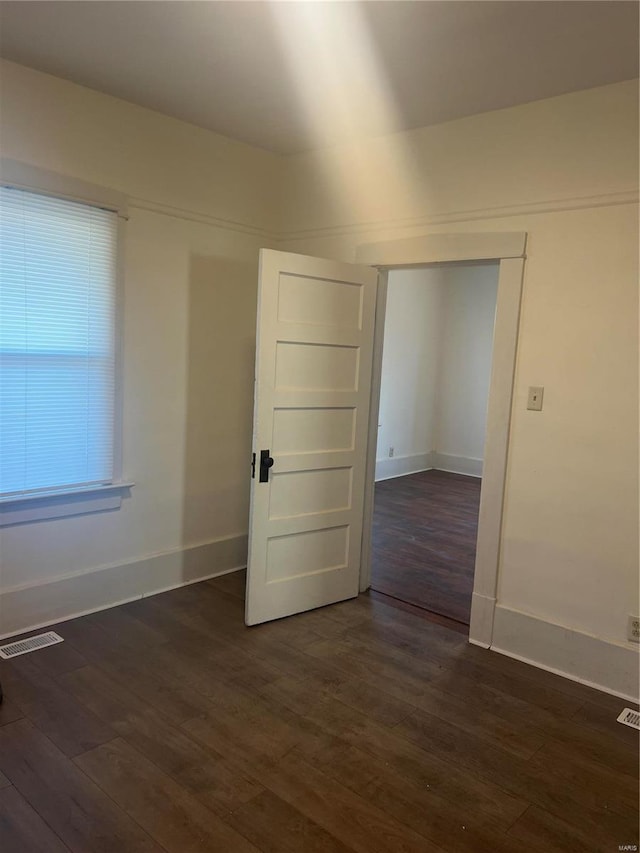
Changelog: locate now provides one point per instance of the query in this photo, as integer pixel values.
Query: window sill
(60, 504)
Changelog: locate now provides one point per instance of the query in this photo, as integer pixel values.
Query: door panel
(309, 430)
(302, 492)
(314, 366)
(300, 555)
(313, 378)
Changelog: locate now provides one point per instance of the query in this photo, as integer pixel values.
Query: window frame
(64, 502)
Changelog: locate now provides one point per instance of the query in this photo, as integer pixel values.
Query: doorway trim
(508, 249)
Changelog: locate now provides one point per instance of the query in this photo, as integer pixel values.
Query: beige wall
(155, 160)
(560, 151)
(200, 207)
(564, 170)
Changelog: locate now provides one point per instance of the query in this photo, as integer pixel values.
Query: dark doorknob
(266, 462)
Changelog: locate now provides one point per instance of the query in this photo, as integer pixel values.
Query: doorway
(435, 376)
(319, 356)
(508, 248)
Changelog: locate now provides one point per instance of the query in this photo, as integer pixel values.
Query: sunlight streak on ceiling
(342, 93)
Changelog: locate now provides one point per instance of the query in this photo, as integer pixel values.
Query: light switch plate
(534, 400)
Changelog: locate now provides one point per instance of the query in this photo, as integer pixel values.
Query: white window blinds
(57, 343)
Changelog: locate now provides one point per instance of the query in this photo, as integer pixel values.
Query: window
(57, 344)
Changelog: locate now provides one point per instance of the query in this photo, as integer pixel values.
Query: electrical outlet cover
(633, 629)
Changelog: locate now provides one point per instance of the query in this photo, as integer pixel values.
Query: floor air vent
(629, 717)
(31, 644)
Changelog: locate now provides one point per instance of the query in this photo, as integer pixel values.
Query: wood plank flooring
(424, 541)
(167, 725)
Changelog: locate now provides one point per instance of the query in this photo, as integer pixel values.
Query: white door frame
(508, 248)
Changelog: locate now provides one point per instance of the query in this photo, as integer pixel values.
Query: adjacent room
(319, 426)
(434, 389)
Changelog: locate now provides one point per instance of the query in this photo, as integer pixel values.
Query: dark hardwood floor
(424, 541)
(167, 725)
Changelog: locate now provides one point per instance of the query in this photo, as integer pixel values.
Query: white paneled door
(313, 384)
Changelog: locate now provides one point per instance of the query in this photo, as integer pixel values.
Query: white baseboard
(398, 466)
(580, 657)
(457, 464)
(58, 599)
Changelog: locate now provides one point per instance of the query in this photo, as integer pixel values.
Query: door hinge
(253, 466)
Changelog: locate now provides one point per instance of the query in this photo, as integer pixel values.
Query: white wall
(200, 207)
(564, 170)
(469, 304)
(436, 367)
(409, 372)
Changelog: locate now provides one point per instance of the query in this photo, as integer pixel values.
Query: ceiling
(288, 76)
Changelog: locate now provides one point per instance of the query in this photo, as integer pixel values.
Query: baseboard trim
(572, 654)
(399, 466)
(59, 599)
(457, 464)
